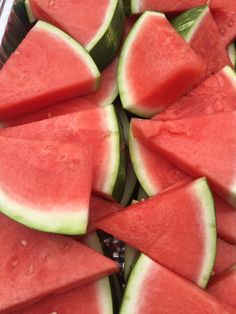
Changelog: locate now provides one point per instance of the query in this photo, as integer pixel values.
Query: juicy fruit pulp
(168, 69)
(153, 227)
(41, 52)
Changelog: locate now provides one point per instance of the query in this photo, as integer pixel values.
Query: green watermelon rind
(56, 221)
(104, 286)
(187, 23)
(130, 257)
(205, 197)
(140, 271)
(74, 45)
(116, 172)
(232, 53)
(139, 167)
(127, 100)
(104, 46)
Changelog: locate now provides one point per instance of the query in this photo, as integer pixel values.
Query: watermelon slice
(145, 89)
(41, 53)
(105, 95)
(98, 129)
(100, 30)
(216, 94)
(35, 265)
(153, 227)
(225, 257)
(191, 144)
(223, 286)
(154, 289)
(166, 6)
(199, 29)
(100, 208)
(224, 13)
(30, 191)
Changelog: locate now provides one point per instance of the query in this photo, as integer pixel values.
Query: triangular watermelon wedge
(223, 286)
(193, 144)
(99, 130)
(39, 185)
(35, 265)
(154, 289)
(199, 29)
(225, 256)
(94, 298)
(153, 72)
(98, 29)
(179, 223)
(32, 76)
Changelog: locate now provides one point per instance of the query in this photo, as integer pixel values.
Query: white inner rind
(135, 6)
(134, 289)
(29, 12)
(127, 98)
(105, 25)
(202, 192)
(73, 44)
(140, 167)
(4, 17)
(193, 30)
(114, 150)
(57, 220)
(232, 53)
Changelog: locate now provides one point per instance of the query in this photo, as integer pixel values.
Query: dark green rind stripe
(127, 7)
(106, 48)
(184, 22)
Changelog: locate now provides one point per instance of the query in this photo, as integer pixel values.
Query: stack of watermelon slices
(118, 131)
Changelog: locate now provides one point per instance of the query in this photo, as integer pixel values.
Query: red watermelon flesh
(224, 13)
(80, 127)
(225, 256)
(151, 79)
(166, 6)
(100, 208)
(153, 227)
(32, 76)
(39, 186)
(105, 95)
(35, 265)
(192, 144)
(223, 286)
(154, 289)
(207, 42)
(72, 16)
(216, 94)
(226, 220)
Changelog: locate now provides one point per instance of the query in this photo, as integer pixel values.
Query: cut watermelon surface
(224, 13)
(100, 30)
(199, 29)
(154, 289)
(103, 137)
(154, 71)
(93, 298)
(225, 256)
(191, 144)
(216, 94)
(223, 286)
(104, 96)
(41, 53)
(100, 208)
(39, 186)
(166, 6)
(35, 265)
(153, 227)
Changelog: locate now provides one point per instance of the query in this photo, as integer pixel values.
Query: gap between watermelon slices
(153, 227)
(38, 60)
